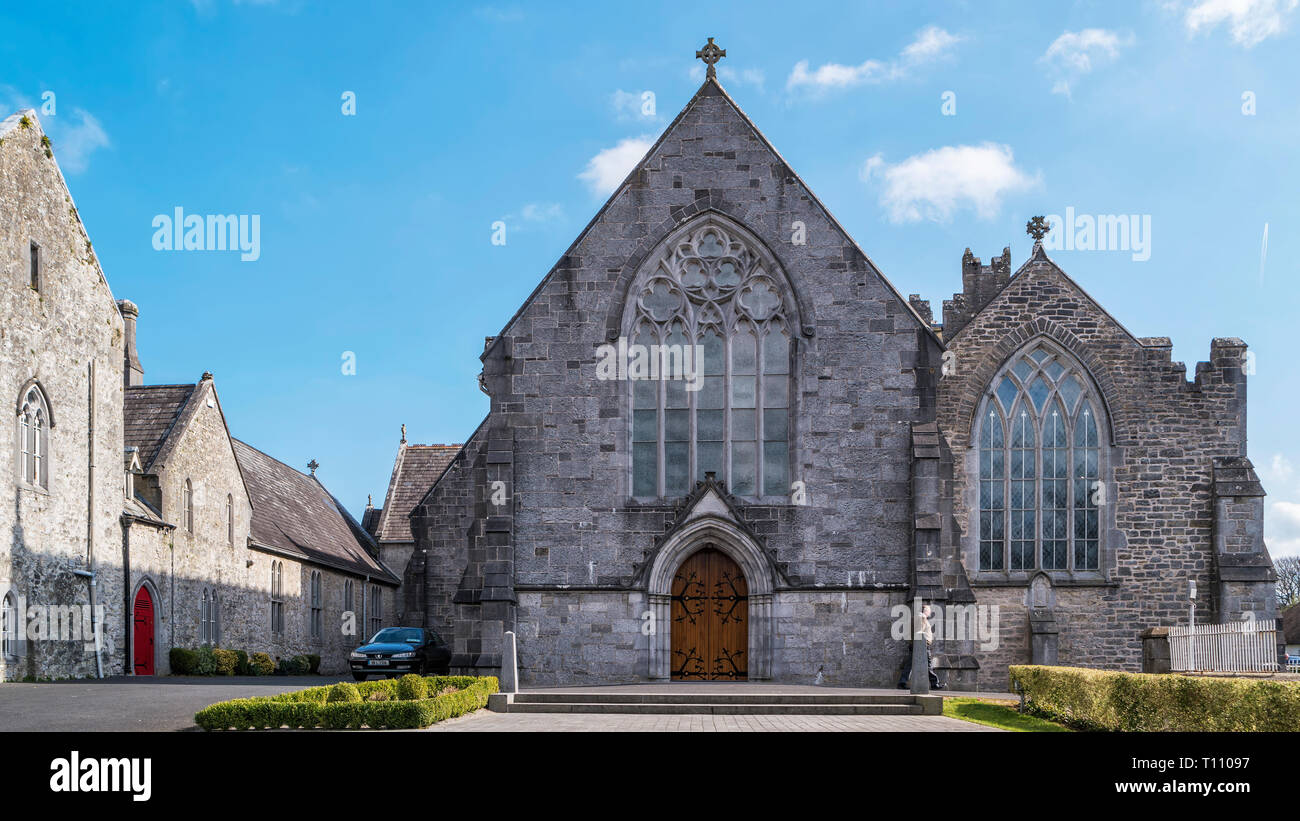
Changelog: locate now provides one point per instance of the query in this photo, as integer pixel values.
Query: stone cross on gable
(711, 54)
(1038, 228)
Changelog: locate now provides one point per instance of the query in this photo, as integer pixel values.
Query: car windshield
(397, 635)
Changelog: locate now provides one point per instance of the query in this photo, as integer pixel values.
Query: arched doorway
(710, 619)
(142, 635)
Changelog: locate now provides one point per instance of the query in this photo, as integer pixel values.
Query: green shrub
(260, 664)
(296, 666)
(226, 661)
(313, 662)
(205, 662)
(411, 687)
(313, 707)
(182, 661)
(1139, 702)
(241, 665)
(344, 691)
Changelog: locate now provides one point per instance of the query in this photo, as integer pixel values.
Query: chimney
(132, 373)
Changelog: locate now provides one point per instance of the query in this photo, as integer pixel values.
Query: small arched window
(317, 610)
(277, 598)
(34, 438)
(10, 638)
(187, 506)
(1040, 466)
(205, 619)
(376, 608)
(230, 520)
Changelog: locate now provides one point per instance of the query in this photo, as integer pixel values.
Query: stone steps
(717, 703)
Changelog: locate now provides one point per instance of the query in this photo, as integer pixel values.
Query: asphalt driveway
(125, 703)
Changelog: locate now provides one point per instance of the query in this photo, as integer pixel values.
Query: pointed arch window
(317, 622)
(10, 627)
(187, 506)
(713, 303)
(230, 520)
(34, 438)
(1040, 466)
(277, 598)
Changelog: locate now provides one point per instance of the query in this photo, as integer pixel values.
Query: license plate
(379, 662)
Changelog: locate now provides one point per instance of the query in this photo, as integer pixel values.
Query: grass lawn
(1000, 714)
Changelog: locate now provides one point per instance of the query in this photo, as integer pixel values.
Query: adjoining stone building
(415, 470)
(189, 536)
(837, 454)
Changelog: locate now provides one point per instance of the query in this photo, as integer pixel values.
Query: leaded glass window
(1040, 458)
(713, 302)
(33, 439)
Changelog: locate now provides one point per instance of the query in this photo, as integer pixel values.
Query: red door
(143, 636)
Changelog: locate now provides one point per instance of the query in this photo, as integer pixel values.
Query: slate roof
(149, 413)
(417, 468)
(294, 514)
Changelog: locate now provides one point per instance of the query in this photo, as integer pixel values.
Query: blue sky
(376, 228)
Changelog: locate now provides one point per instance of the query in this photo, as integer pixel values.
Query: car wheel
(359, 676)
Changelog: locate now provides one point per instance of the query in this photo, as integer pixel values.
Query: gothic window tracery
(1040, 466)
(712, 289)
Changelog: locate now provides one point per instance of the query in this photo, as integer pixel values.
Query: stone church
(134, 521)
(835, 453)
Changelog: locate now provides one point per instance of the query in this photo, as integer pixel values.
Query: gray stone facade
(65, 338)
(572, 561)
(107, 497)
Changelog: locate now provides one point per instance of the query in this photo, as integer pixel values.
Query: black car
(396, 651)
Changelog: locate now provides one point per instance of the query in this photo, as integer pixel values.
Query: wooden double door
(710, 619)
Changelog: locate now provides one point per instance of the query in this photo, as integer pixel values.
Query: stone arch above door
(711, 530)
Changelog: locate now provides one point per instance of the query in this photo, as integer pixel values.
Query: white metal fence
(1223, 648)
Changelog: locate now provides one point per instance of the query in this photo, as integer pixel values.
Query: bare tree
(1288, 580)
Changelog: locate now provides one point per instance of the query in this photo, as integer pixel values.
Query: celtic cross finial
(1038, 228)
(711, 54)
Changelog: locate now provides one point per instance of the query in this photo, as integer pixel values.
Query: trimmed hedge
(215, 661)
(314, 707)
(1141, 702)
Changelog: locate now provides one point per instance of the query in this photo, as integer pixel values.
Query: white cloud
(1282, 529)
(543, 211)
(74, 136)
(931, 43)
(934, 185)
(1250, 21)
(1076, 53)
(608, 168)
(1279, 469)
(74, 144)
(634, 105)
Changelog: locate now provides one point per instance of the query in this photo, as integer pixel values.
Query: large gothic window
(711, 289)
(34, 438)
(1040, 459)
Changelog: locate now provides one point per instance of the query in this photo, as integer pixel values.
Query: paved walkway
(483, 721)
(125, 703)
(730, 687)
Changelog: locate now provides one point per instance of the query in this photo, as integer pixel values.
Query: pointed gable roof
(294, 514)
(415, 471)
(710, 88)
(150, 414)
(1040, 263)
